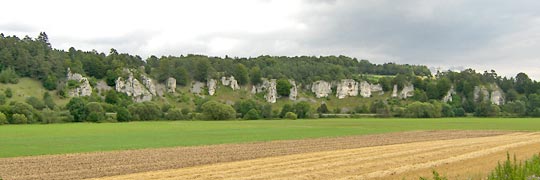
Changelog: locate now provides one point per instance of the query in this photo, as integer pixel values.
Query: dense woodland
(35, 58)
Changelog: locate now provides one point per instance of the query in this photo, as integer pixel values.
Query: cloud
(483, 34)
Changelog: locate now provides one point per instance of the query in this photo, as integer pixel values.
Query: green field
(27, 140)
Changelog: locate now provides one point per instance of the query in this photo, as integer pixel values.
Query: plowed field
(357, 157)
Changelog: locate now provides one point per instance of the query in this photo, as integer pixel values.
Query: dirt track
(380, 162)
(91, 165)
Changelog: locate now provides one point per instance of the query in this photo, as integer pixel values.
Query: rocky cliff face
(132, 87)
(347, 87)
(449, 95)
(212, 85)
(496, 95)
(480, 91)
(493, 93)
(197, 87)
(171, 85)
(394, 91)
(268, 87)
(321, 88)
(230, 82)
(407, 91)
(84, 88)
(293, 93)
(367, 89)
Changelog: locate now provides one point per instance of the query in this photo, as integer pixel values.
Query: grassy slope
(25, 140)
(30, 87)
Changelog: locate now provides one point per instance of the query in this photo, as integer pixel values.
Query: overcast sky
(483, 34)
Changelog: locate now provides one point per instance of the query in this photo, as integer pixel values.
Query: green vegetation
(25, 140)
(436, 176)
(510, 170)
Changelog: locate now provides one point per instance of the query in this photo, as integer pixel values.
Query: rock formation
(365, 89)
(197, 87)
(132, 87)
(321, 88)
(293, 93)
(171, 85)
(449, 95)
(480, 90)
(212, 85)
(347, 87)
(394, 91)
(231, 82)
(407, 91)
(271, 93)
(496, 95)
(149, 84)
(377, 88)
(83, 88)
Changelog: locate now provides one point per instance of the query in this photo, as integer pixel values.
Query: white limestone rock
(132, 87)
(480, 90)
(365, 89)
(449, 95)
(212, 85)
(321, 88)
(293, 93)
(394, 91)
(84, 88)
(496, 95)
(231, 82)
(377, 88)
(149, 84)
(407, 91)
(197, 87)
(347, 87)
(171, 85)
(271, 93)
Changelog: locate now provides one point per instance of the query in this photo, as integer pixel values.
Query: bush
(302, 109)
(76, 107)
(3, 99)
(516, 170)
(323, 108)
(252, 114)
(174, 114)
(145, 111)
(421, 110)
(290, 115)
(48, 100)
(8, 92)
(9, 76)
(123, 114)
(50, 83)
(283, 87)
(217, 111)
(459, 112)
(95, 112)
(486, 109)
(25, 109)
(19, 119)
(35, 102)
(436, 176)
(50, 116)
(3, 118)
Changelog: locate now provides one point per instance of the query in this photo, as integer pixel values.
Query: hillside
(91, 86)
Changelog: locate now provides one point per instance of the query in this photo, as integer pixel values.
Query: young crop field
(28, 140)
(266, 149)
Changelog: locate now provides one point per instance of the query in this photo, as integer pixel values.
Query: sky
(502, 35)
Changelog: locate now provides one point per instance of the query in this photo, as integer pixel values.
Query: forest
(35, 58)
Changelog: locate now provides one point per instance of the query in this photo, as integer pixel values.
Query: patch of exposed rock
(367, 89)
(493, 93)
(496, 95)
(212, 85)
(407, 91)
(230, 82)
(83, 89)
(140, 92)
(197, 87)
(394, 91)
(480, 91)
(268, 87)
(347, 87)
(293, 93)
(171, 85)
(321, 88)
(449, 95)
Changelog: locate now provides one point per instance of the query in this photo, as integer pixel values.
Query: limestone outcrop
(268, 87)
(496, 95)
(394, 91)
(83, 87)
(377, 88)
(480, 91)
(230, 82)
(365, 89)
(449, 95)
(197, 87)
(347, 87)
(493, 93)
(171, 85)
(293, 93)
(407, 91)
(132, 87)
(149, 84)
(212, 85)
(321, 88)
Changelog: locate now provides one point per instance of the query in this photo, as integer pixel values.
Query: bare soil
(333, 152)
(380, 162)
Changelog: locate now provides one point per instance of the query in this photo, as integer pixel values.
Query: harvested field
(380, 162)
(91, 165)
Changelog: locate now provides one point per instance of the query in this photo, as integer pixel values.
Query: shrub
(516, 170)
(436, 176)
(8, 92)
(422, 110)
(3, 99)
(19, 119)
(323, 108)
(123, 114)
(283, 87)
(3, 118)
(9, 76)
(302, 109)
(50, 116)
(290, 115)
(174, 114)
(35, 102)
(217, 111)
(48, 100)
(145, 111)
(76, 107)
(252, 114)
(95, 112)
(50, 83)
(27, 110)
